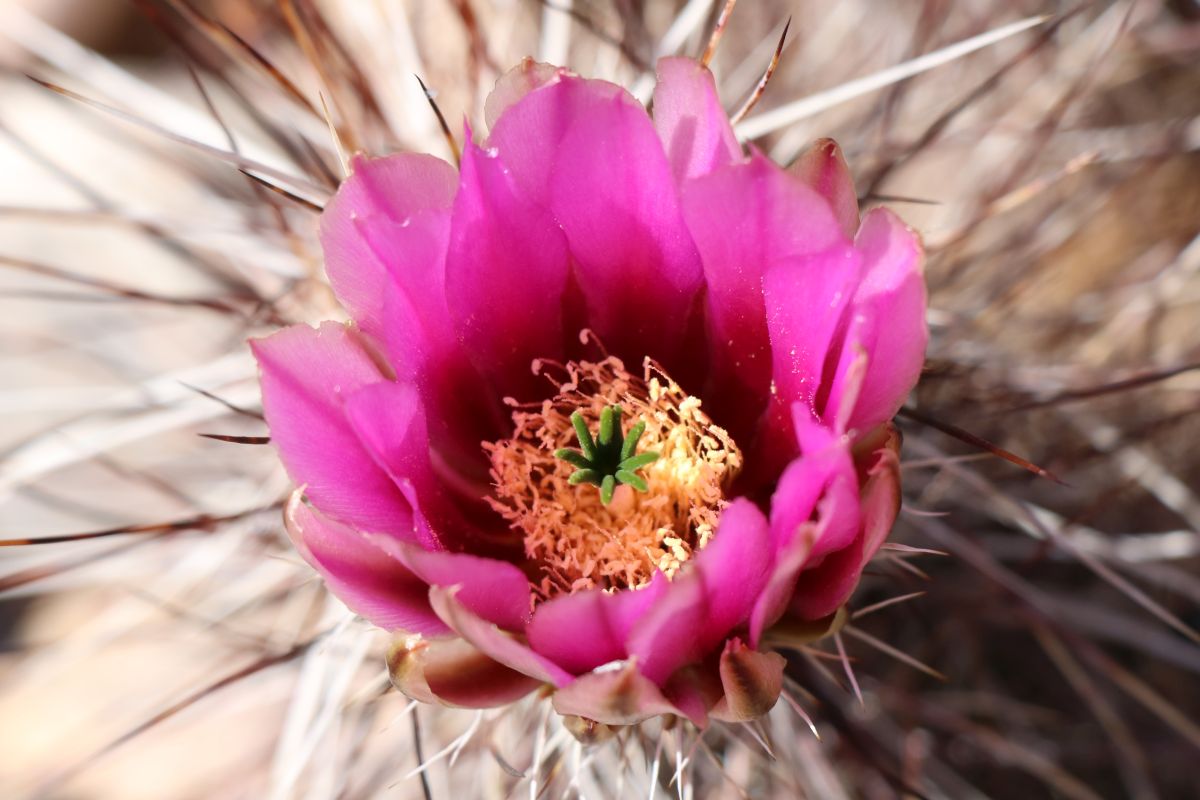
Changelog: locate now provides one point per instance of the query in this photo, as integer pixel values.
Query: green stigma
(610, 458)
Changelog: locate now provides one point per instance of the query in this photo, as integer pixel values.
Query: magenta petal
(694, 128)
(777, 218)
(824, 168)
(415, 329)
(369, 581)
(306, 373)
(587, 151)
(390, 422)
(581, 631)
(618, 695)
(820, 482)
(506, 272)
(494, 642)
(711, 596)
(494, 590)
(889, 318)
(807, 301)
(825, 587)
(393, 188)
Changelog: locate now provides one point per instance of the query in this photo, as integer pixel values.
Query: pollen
(572, 538)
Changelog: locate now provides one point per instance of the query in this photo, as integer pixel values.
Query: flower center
(582, 536)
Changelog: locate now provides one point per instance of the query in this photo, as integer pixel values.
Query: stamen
(655, 509)
(611, 458)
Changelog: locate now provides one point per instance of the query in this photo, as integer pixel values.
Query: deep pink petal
(495, 591)
(506, 271)
(776, 219)
(587, 151)
(620, 695)
(694, 128)
(494, 642)
(581, 631)
(706, 601)
(369, 581)
(820, 591)
(888, 319)
(306, 374)
(394, 188)
(453, 673)
(824, 168)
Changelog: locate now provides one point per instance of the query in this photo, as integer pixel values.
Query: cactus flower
(613, 415)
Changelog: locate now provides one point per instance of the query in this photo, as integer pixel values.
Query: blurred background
(163, 164)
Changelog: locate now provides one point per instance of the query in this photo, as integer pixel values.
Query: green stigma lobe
(610, 458)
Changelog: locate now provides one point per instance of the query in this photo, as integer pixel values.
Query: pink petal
(586, 151)
(776, 218)
(694, 128)
(393, 188)
(388, 419)
(506, 272)
(620, 695)
(711, 596)
(415, 328)
(364, 577)
(818, 485)
(807, 301)
(822, 590)
(581, 631)
(824, 168)
(495, 591)
(889, 318)
(515, 84)
(305, 374)
(494, 642)
(453, 673)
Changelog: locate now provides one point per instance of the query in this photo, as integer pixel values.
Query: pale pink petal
(619, 695)
(587, 151)
(494, 642)
(712, 595)
(694, 128)
(515, 84)
(506, 271)
(369, 581)
(581, 631)
(824, 168)
(453, 673)
(306, 374)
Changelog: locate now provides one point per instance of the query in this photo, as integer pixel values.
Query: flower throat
(649, 510)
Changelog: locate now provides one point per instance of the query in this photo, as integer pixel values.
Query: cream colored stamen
(578, 542)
